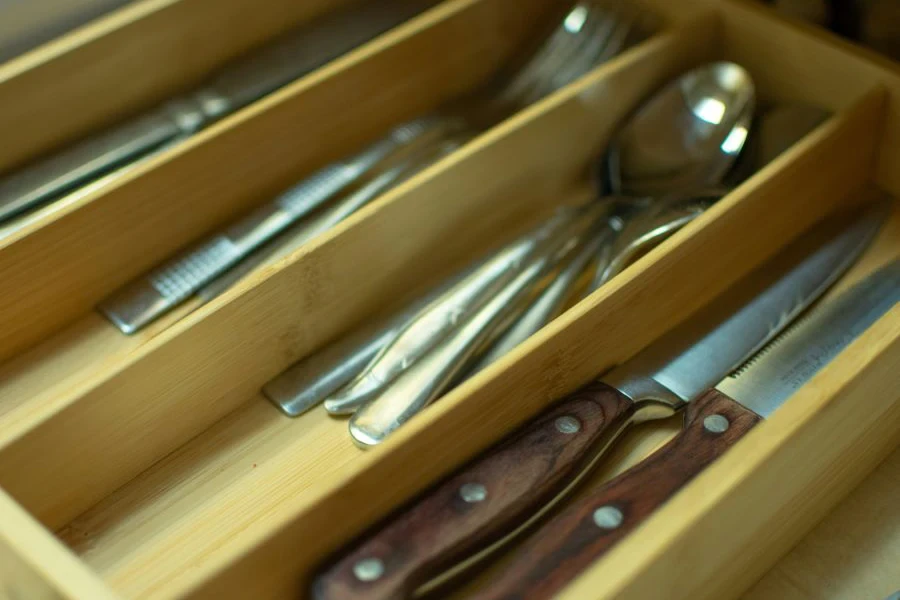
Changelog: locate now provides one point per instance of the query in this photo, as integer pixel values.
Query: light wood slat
(35, 383)
(35, 566)
(149, 49)
(211, 362)
(58, 269)
(851, 553)
(19, 580)
(603, 330)
(39, 380)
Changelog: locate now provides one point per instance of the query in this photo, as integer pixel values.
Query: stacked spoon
(387, 373)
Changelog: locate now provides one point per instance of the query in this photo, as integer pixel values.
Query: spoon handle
(477, 511)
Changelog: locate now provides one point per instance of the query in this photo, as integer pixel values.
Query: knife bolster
(641, 390)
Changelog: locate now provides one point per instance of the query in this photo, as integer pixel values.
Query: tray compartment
(56, 270)
(127, 61)
(816, 176)
(188, 483)
(214, 361)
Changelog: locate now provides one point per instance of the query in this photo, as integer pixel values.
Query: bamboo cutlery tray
(151, 466)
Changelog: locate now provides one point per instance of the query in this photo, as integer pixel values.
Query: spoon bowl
(687, 136)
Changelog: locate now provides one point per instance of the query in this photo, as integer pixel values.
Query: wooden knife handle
(481, 504)
(562, 548)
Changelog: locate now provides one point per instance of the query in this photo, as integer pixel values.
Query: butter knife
(235, 86)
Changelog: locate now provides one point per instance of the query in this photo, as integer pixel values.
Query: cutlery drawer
(152, 466)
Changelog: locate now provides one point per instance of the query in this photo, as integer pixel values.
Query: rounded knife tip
(340, 407)
(362, 438)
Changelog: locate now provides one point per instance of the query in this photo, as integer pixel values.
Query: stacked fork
(386, 373)
(588, 34)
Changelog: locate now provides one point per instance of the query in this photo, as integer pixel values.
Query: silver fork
(578, 25)
(147, 298)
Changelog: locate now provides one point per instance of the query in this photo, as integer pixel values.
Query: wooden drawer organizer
(151, 466)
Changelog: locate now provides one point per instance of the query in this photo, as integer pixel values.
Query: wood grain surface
(853, 553)
(187, 483)
(36, 566)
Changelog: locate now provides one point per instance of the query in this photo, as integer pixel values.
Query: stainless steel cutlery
(235, 86)
(479, 319)
(215, 265)
(151, 296)
(496, 498)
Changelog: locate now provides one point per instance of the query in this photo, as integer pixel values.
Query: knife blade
(236, 85)
(561, 549)
(477, 511)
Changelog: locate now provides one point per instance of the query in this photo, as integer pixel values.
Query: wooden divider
(127, 61)
(668, 284)
(35, 566)
(59, 268)
(201, 368)
(187, 483)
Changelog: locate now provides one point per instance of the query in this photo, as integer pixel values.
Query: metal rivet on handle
(716, 424)
(608, 517)
(368, 569)
(473, 492)
(568, 424)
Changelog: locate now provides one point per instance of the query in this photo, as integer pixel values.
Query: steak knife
(562, 548)
(496, 498)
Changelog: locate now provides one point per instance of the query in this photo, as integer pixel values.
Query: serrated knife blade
(508, 490)
(714, 422)
(795, 356)
(694, 356)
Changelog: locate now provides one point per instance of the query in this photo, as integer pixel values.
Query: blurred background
(874, 23)
(25, 24)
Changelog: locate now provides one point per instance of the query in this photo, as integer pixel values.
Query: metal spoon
(687, 136)
(776, 130)
(639, 223)
(385, 407)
